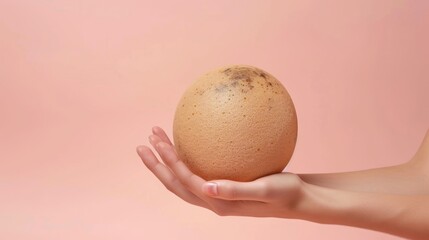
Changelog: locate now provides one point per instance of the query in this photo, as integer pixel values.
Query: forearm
(411, 177)
(402, 215)
(406, 178)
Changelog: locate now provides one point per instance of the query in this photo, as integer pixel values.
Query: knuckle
(185, 179)
(169, 187)
(170, 184)
(296, 183)
(265, 189)
(186, 183)
(229, 191)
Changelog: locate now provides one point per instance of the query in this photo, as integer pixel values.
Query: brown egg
(237, 122)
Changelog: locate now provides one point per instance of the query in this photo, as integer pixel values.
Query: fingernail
(211, 188)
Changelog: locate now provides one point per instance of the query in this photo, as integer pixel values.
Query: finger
(167, 178)
(232, 190)
(185, 176)
(154, 140)
(161, 134)
(244, 208)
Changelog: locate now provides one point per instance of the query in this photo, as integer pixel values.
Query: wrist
(320, 204)
(380, 212)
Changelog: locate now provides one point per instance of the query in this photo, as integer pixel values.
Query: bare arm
(402, 215)
(409, 178)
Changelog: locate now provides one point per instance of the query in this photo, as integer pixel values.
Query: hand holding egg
(237, 125)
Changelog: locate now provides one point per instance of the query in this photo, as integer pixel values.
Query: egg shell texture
(237, 122)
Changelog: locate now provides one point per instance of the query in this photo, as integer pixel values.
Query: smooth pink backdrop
(83, 82)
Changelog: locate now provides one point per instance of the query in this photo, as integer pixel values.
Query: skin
(393, 199)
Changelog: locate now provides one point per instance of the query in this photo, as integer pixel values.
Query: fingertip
(156, 129)
(210, 188)
(139, 148)
(151, 138)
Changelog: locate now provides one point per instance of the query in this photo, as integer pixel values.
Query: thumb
(232, 190)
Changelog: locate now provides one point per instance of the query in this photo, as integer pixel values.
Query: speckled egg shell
(237, 122)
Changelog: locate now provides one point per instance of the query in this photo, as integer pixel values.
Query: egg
(237, 122)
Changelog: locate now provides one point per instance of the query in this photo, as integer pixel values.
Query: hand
(277, 195)
(285, 195)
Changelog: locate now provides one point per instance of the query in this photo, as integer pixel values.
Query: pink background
(82, 83)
